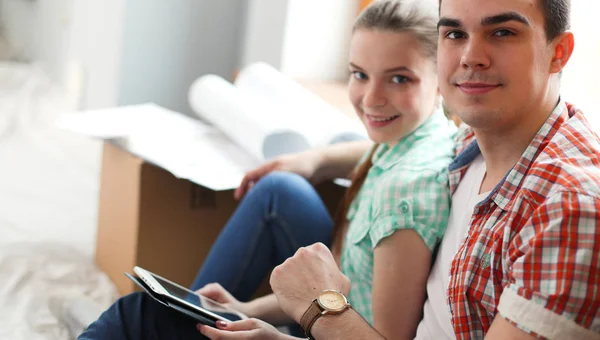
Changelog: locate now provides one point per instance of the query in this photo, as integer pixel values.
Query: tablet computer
(177, 297)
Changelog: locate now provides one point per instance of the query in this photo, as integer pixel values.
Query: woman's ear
(562, 49)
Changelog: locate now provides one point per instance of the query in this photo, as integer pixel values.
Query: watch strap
(310, 316)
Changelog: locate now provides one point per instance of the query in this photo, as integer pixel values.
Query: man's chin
(479, 119)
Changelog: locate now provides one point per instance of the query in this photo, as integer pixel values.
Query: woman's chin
(382, 139)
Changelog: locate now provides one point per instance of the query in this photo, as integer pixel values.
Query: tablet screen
(197, 300)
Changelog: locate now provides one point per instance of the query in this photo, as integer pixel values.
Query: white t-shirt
(436, 323)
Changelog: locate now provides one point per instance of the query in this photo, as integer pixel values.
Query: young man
(522, 246)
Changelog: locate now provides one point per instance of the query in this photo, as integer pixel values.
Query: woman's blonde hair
(418, 17)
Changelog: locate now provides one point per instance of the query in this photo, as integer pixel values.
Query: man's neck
(502, 148)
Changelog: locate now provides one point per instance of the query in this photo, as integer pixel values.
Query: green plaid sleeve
(413, 200)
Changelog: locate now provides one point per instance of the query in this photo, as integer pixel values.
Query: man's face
(493, 60)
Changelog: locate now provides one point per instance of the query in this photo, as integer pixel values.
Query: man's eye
(503, 33)
(455, 35)
(359, 75)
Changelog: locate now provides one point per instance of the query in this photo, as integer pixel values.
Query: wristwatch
(329, 302)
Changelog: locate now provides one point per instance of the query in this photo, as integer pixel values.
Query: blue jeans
(139, 316)
(282, 213)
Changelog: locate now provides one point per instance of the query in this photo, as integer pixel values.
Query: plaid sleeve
(421, 203)
(554, 270)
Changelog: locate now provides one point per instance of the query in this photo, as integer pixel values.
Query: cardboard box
(150, 218)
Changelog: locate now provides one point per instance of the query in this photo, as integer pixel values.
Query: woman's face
(393, 85)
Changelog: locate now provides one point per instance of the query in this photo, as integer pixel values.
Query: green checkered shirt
(405, 188)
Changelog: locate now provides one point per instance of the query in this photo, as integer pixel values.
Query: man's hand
(301, 278)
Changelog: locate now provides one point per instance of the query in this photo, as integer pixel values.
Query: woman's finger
(242, 325)
(252, 177)
(217, 334)
(215, 292)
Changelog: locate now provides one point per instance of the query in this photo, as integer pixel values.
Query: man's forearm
(346, 326)
(337, 161)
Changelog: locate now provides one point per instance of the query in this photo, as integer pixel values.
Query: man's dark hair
(557, 16)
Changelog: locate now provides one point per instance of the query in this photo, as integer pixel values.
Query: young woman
(392, 218)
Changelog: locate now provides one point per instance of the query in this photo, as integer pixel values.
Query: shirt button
(404, 207)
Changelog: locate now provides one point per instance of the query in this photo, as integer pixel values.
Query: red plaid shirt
(532, 251)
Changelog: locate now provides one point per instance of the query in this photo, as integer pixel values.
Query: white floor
(49, 179)
(49, 182)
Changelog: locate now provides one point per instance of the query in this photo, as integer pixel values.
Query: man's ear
(562, 49)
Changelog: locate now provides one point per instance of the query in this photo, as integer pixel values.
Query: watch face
(332, 300)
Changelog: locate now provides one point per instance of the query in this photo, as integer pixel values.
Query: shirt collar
(509, 185)
(386, 157)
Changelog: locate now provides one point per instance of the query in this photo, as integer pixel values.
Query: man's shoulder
(569, 161)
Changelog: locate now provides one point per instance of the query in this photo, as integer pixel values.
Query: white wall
(118, 52)
(40, 31)
(169, 44)
(302, 38)
(94, 58)
(19, 25)
(317, 35)
(264, 32)
(51, 43)
(580, 79)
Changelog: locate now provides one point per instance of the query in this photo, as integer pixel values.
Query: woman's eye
(503, 33)
(455, 35)
(359, 75)
(400, 79)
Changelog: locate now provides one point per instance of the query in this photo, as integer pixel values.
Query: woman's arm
(316, 165)
(402, 265)
(267, 309)
(337, 161)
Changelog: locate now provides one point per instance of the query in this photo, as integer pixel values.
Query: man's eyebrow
(448, 22)
(487, 21)
(504, 17)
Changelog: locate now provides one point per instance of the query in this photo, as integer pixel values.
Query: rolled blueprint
(317, 120)
(253, 124)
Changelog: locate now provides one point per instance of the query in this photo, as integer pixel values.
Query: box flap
(186, 147)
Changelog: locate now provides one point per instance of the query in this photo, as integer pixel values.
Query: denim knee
(279, 182)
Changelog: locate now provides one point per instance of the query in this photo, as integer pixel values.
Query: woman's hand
(216, 292)
(305, 164)
(244, 329)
